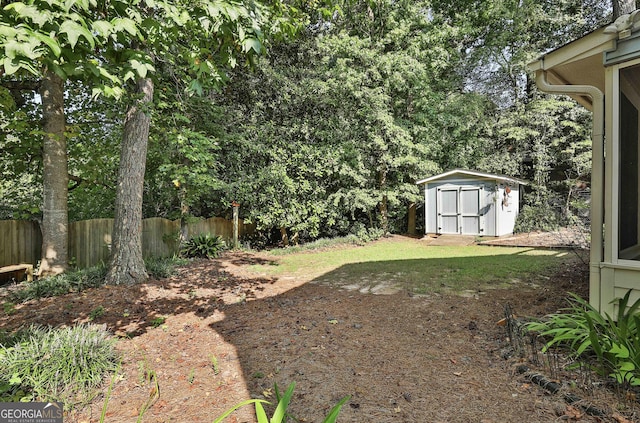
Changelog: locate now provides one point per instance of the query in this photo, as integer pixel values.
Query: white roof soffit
(474, 173)
(580, 62)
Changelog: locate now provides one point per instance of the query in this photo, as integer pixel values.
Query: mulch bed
(229, 335)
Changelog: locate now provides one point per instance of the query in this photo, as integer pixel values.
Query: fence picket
(90, 240)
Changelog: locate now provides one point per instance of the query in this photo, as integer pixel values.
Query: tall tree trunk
(55, 212)
(184, 214)
(622, 7)
(126, 265)
(411, 219)
(383, 206)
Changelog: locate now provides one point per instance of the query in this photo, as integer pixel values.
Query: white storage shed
(467, 202)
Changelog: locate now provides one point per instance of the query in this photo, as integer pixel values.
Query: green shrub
(160, 268)
(369, 234)
(203, 246)
(47, 364)
(540, 217)
(72, 281)
(591, 337)
(92, 277)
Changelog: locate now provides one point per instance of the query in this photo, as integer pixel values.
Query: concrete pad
(443, 240)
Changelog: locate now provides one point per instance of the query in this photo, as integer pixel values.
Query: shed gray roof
(475, 174)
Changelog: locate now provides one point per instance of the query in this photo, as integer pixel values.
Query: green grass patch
(420, 268)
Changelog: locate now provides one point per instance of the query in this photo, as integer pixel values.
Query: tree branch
(79, 181)
(16, 88)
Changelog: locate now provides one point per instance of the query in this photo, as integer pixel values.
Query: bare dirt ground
(229, 334)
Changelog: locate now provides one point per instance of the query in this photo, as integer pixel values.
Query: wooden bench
(17, 272)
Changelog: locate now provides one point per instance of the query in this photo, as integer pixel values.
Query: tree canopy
(325, 135)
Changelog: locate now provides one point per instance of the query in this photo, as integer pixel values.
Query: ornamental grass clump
(610, 346)
(56, 364)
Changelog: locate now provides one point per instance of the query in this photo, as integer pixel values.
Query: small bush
(203, 246)
(369, 234)
(92, 277)
(160, 268)
(72, 281)
(46, 364)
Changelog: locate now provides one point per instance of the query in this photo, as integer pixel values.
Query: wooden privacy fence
(90, 240)
(20, 242)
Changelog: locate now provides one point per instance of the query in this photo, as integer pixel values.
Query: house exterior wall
(589, 70)
(617, 276)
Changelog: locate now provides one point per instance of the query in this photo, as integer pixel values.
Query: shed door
(470, 211)
(459, 210)
(448, 211)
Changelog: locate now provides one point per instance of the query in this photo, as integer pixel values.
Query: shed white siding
(470, 203)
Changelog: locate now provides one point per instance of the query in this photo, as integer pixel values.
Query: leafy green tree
(52, 42)
(117, 47)
(205, 38)
(337, 127)
(20, 163)
(94, 131)
(277, 146)
(183, 160)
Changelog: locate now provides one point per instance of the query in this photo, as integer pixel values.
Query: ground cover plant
(81, 279)
(236, 325)
(46, 364)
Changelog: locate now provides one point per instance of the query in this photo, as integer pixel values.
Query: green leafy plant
(9, 308)
(73, 281)
(163, 267)
(158, 321)
(96, 313)
(613, 344)
(280, 414)
(203, 246)
(214, 364)
(12, 391)
(82, 279)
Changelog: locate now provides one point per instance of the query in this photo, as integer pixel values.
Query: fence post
(411, 219)
(236, 207)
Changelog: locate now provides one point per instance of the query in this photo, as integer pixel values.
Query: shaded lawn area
(410, 265)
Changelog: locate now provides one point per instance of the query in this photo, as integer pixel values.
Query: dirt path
(228, 335)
